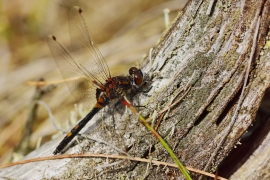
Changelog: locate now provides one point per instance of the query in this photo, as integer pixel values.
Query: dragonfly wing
(79, 83)
(87, 54)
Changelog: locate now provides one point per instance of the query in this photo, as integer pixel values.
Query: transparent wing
(86, 52)
(84, 65)
(80, 84)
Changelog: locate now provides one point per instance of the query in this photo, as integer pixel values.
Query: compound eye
(138, 77)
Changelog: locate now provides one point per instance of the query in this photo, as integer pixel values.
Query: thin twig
(24, 145)
(64, 156)
(107, 143)
(166, 12)
(43, 83)
(50, 115)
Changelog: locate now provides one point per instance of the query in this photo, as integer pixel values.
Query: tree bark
(211, 47)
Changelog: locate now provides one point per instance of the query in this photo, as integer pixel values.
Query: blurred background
(123, 30)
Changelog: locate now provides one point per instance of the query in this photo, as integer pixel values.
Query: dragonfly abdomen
(76, 130)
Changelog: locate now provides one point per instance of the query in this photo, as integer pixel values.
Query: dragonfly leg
(141, 90)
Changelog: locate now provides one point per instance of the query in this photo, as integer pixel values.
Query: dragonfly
(91, 78)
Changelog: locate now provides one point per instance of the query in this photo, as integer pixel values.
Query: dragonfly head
(136, 76)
